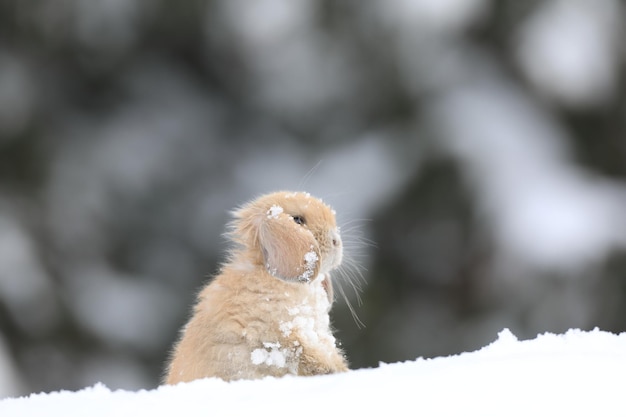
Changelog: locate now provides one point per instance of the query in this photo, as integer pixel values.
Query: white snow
(574, 374)
(311, 326)
(274, 354)
(274, 211)
(271, 355)
(286, 328)
(311, 321)
(310, 259)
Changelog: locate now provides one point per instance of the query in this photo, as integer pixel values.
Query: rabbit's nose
(335, 238)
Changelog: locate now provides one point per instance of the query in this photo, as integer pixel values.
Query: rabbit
(267, 312)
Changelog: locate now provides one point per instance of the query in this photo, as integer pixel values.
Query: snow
(274, 211)
(271, 355)
(576, 373)
(311, 323)
(310, 259)
(274, 354)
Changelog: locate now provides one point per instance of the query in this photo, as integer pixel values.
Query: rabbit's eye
(299, 219)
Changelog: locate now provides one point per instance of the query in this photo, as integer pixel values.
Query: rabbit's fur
(266, 313)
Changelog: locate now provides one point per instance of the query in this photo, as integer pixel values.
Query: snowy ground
(577, 373)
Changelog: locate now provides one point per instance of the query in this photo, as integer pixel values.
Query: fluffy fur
(266, 313)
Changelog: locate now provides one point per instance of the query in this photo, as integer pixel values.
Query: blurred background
(475, 152)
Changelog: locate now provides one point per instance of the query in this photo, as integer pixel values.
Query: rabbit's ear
(290, 251)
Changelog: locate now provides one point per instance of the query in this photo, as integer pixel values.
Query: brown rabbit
(266, 313)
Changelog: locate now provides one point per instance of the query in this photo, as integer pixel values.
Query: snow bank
(577, 373)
